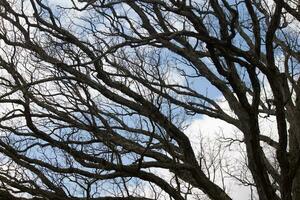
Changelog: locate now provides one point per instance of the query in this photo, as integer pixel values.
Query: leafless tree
(96, 95)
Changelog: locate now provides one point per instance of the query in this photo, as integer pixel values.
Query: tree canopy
(96, 97)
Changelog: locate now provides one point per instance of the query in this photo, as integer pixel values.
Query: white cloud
(208, 133)
(174, 77)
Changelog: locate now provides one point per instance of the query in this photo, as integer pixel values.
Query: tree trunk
(294, 136)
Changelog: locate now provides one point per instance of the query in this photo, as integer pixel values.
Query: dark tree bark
(95, 97)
